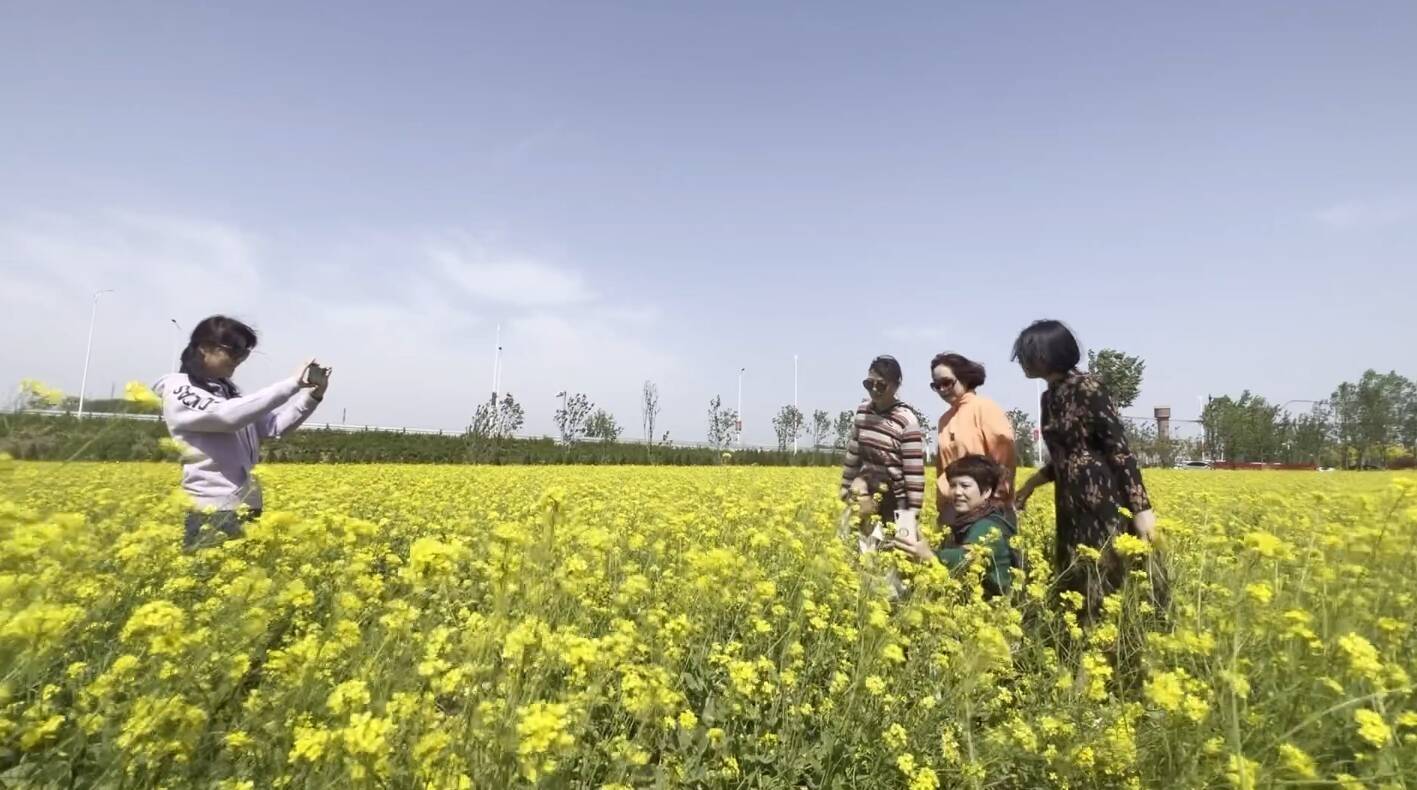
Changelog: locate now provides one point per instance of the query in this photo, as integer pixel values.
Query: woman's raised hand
(302, 373)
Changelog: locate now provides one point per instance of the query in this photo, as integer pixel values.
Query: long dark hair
(216, 330)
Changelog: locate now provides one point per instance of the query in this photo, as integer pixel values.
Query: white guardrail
(347, 428)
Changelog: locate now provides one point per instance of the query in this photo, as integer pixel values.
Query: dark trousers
(208, 529)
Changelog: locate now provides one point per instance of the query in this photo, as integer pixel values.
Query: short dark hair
(887, 368)
(1047, 347)
(878, 481)
(967, 371)
(983, 469)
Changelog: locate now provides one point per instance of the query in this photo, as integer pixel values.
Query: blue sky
(673, 192)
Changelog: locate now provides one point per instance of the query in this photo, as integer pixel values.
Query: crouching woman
(980, 521)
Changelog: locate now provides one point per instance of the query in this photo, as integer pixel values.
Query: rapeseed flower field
(415, 626)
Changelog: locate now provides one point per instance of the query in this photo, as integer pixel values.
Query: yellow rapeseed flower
(1298, 761)
(1371, 727)
(1362, 657)
(138, 392)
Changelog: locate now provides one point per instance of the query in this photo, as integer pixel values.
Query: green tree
(1143, 441)
(844, 421)
(1407, 420)
(1024, 442)
(1120, 373)
(1247, 428)
(1370, 415)
(1309, 436)
(821, 428)
(571, 417)
(497, 419)
(649, 409)
(787, 425)
(602, 425)
(723, 424)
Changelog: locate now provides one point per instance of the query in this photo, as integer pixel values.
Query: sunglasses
(942, 385)
(874, 385)
(236, 352)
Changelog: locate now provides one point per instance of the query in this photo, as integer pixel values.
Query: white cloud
(154, 257)
(1358, 215)
(408, 349)
(506, 279)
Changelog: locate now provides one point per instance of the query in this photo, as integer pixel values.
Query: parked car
(1186, 463)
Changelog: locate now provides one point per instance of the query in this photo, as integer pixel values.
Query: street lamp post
(88, 351)
(562, 396)
(497, 366)
(740, 407)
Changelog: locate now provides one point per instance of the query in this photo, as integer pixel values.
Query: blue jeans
(225, 525)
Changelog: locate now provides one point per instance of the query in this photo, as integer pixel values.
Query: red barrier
(1260, 466)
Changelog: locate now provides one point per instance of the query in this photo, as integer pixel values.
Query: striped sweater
(892, 441)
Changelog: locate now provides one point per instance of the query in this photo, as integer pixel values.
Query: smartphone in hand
(315, 375)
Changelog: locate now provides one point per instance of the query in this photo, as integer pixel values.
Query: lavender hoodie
(223, 435)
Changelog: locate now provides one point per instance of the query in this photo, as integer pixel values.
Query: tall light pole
(562, 396)
(93, 316)
(794, 399)
(497, 365)
(740, 407)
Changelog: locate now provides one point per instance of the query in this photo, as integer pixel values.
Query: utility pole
(93, 316)
(740, 407)
(794, 399)
(497, 365)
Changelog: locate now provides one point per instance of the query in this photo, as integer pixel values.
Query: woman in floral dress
(1098, 489)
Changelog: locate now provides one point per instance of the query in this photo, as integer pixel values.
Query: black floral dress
(1095, 477)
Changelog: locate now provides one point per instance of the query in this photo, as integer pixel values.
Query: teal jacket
(997, 579)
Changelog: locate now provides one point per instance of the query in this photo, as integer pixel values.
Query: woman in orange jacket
(973, 425)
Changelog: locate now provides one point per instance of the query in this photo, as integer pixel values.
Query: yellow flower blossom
(37, 395)
(1298, 761)
(422, 625)
(1362, 657)
(138, 392)
(542, 737)
(1371, 727)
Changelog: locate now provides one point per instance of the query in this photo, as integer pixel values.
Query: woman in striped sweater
(886, 436)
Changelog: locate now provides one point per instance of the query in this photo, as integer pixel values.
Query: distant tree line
(1367, 424)
(67, 438)
(1370, 423)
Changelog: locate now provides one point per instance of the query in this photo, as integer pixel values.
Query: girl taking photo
(221, 429)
